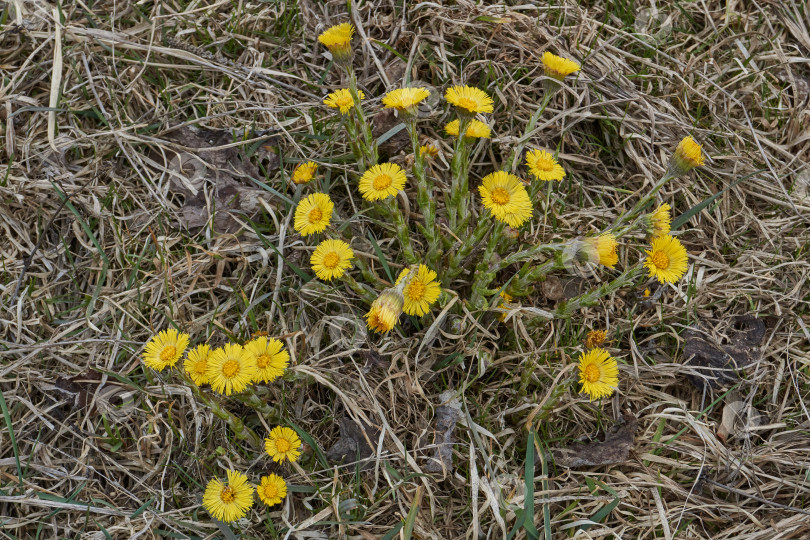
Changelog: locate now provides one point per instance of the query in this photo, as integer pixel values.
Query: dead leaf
(717, 363)
(555, 289)
(375, 361)
(739, 419)
(446, 418)
(356, 443)
(381, 123)
(614, 449)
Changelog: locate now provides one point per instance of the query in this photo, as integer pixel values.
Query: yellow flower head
(428, 151)
(404, 100)
(338, 39)
(475, 129)
(382, 181)
(165, 349)
(602, 249)
(421, 291)
(196, 364)
(272, 489)
(687, 156)
(228, 502)
(507, 298)
(283, 443)
(595, 338)
(505, 196)
(230, 369)
(270, 357)
(598, 373)
(667, 261)
(331, 259)
(469, 100)
(385, 311)
(558, 67)
(543, 166)
(312, 215)
(659, 222)
(342, 100)
(304, 172)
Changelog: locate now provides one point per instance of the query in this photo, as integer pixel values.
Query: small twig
(742, 493)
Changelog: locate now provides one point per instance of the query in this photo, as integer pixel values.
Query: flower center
(228, 494)
(500, 196)
(283, 445)
(591, 373)
(230, 368)
(416, 290)
(545, 165)
(167, 353)
(270, 491)
(382, 182)
(346, 101)
(262, 361)
(199, 368)
(331, 260)
(660, 260)
(467, 103)
(315, 215)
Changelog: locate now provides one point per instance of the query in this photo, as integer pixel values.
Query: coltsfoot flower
(382, 181)
(667, 261)
(312, 215)
(598, 373)
(421, 291)
(270, 357)
(659, 222)
(283, 443)
(304, 172)
(165, 349)
(385, 311)
(543, 166)
(331, 259)
(342, 100)
(405, 100)
(228, 502)
(196, 364)
(428, 151)
(230, 369)
(601, 249)
(468, 100)
(338, 39)
(505, 196)
(272, 489)
(595, 338)
(687, 156)
(557, 66)
(507, 298)
(475, 129)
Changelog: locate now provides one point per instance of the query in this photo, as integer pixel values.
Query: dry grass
(90, 111)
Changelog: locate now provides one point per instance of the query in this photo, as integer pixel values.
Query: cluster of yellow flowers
(232, 369)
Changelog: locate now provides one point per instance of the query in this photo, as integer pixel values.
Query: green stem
(514, 157)
(483, 272)
(250, 398)
(640, 205)
(424, 196)
(566, 309)
(478, 234)
(368, 144)
(361, 290)
(238, 427)
(403, 233)
(459, 168)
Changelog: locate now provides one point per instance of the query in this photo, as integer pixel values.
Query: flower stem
(424, 196)
(483, 271)
(368, 145)
(640, 205)
(459, 169)
(517, 150)
(403, 233)
(238, 427)
(478, 234)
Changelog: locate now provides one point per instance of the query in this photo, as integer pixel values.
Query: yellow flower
(342, 99)
(469, 100)
(270, 357)
(558, 67)
(428, 151)
(658, 223)
(667, 261)
(543, 166)
(230, 369)
(382, 181)
(272, 489)
(228, 502)
(385, 311)
(331, 259)
(283, 443)
(404, 100)
(312, 215)
(421, 291)
(507, 298)
(602, 249)
(304, 172)
(165, 349)
(687, 156)
(506, 198)
(595, 338)
(196, 364)
(475, 130)
(646, 293)
(338, 39)
(598, 373)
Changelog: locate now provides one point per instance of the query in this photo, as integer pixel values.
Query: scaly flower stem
(424, 196)
(250, 398)
(641, 204)
(361, 290)
(238, 427)
(403, 233)
(368, 144)
(517, 150)
(483, 271)
(455, 268)
(567, 309)
(528, 254)
(459, 168)
(523, 283)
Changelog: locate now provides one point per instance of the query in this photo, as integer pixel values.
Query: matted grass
(95, 446)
